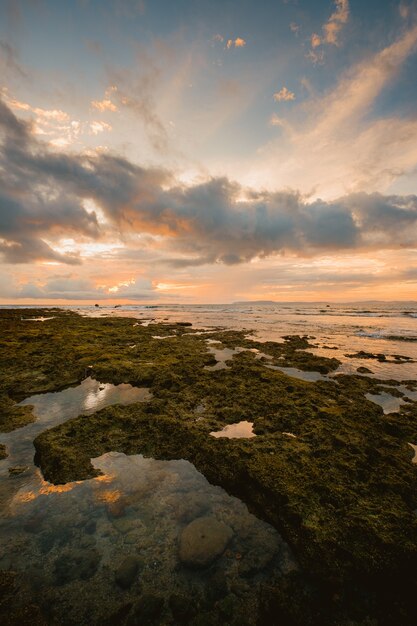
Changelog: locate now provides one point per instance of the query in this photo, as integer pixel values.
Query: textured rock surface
(126, 572)
(203, 540)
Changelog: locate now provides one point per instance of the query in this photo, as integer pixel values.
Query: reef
(341, 489)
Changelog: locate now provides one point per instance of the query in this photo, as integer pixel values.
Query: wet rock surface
(202, 541)
(127, 572)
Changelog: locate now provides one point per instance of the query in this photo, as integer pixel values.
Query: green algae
(342, 491)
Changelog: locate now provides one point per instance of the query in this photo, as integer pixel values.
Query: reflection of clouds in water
(241, 430)
(96, 396)
(389, 403)
(137, 504)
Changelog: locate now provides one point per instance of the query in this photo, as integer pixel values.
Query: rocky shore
(327, 468)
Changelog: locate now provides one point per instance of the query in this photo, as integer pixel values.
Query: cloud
(99, 127)
(235, 43)
(217, 221)
(104, 105)
(136, 90)
(69, 288)
(32, 208)
(284, 95)
(336, 143)
(55, 115)
(330, 30)
(9, 62)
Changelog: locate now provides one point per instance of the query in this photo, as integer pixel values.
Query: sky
(207, 151)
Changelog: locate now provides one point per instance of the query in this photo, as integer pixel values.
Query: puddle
(37, 319)
(135, 513)
(226, 354)
(55, 408)
(389, 403)
(113, 544)
(164, 336)
(310, 377)
(221, 355)
(241, 430)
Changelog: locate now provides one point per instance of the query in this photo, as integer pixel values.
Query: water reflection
(112, 544)
(389, 403)
(241, 430)
(52, 409)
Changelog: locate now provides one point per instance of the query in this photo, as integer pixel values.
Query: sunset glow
(159, 152)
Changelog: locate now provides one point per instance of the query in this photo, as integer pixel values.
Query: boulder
(202, 541)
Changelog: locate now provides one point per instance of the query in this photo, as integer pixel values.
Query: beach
(244, 464)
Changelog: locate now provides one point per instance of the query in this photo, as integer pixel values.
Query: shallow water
(51, 409)
(82, 532)
(348, 328)
(389, 403)
(241, 430)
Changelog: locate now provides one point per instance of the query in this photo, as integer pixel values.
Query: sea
(336, 330)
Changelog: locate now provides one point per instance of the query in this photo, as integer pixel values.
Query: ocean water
(337, 330)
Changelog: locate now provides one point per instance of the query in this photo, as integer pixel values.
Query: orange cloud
(99, 127)
(284, 95)
(104, 105)
(235, 43)
(331, 30)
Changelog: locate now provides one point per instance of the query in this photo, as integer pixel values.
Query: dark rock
(78, 564)
(182, 608)
(126, 572)
(18, 469)
(34, 523)
(147, 611)
(364, 370)
(202, 541)
(90, 527)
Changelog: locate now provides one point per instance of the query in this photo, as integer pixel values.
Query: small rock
(116, 509)
(126, 572)
(90, 527)
(202, 541)
(364, 370)
(124, 524)
(147, 611)
(77, 564)
(18, 469)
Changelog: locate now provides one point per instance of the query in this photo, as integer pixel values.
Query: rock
(90, 527)
(202, 541)
(77, 564)
(364, 370)
(34, 523)
(18, 469)
(125, 524)
(147, 611)
(182, 608)
(126, 572)
(3, 451)
(116, 509)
